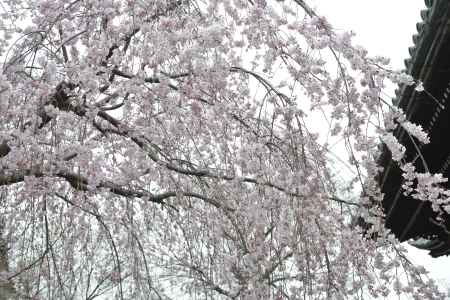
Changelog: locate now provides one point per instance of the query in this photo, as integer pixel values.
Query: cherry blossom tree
(173, 150)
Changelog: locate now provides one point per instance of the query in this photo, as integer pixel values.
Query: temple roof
(429, 63)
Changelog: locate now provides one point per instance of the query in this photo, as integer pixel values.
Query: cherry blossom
(190, 149)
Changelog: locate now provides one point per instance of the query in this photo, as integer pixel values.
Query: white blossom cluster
(393, 117)
(401, 78)
(397, 149)
(416, 131)
(426, 187)
(419, 87)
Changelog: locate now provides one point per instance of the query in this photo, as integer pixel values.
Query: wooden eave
(429, 63)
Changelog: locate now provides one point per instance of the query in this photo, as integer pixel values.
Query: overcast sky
(384, 27)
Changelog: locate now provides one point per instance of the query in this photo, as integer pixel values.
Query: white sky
(385, 27)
